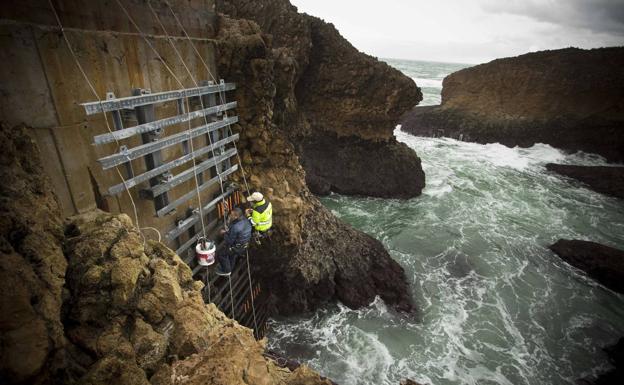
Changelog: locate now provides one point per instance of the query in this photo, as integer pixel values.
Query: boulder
(603, 179)
(603, 263)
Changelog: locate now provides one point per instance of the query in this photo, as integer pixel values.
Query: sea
(496, 306)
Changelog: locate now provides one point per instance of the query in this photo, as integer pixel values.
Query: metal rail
(191, 194)
(192, 220)
(136, 152)
(118, 188)
(159, 124)
(187, 174)
(158, 97)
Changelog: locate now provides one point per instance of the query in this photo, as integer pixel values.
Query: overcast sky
(470, 31)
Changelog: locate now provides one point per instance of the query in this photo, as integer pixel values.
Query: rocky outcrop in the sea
(571, 98)
(313, 257)
(614, 376)
(603, 179)
(337, 105)
(93, 303)
(603, 263)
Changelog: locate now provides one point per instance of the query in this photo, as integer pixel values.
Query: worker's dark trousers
(227, 257)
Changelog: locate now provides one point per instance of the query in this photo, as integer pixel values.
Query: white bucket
(205, 256)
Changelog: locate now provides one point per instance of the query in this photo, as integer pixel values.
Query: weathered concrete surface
(571, 98)
(42, 86)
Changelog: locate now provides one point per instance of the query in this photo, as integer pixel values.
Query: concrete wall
(41, 86)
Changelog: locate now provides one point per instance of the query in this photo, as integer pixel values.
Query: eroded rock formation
(337, 105)
(97, 304)
(570, 98)
(313, 257)
(603, 263)
(603, 179)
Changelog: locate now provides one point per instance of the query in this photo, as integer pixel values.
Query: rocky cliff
(91, 302)
(571, 98)
(336, 105)
(313, 256)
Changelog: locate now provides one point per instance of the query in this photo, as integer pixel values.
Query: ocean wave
(428, 83)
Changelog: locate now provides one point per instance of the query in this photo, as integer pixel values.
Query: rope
(231, 296)
(201, 100)
(230, 132)
(253, 306)
(221, 96)
(208, 284)
(95, 94)
(190, 141)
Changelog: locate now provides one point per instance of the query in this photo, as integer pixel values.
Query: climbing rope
(214, 79)
(222, 102)
(230, 132)
(201, 100)
(108, 127)
(186, 98)
(231, 295)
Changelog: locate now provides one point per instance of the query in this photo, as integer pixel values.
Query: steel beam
(190, 221)
(118, 188)
(158, 97)
(158, 124)
(148, 148)
(189, 195)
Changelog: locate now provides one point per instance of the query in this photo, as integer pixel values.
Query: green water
(496, 306)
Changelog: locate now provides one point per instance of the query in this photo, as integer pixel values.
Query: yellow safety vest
(262, 215)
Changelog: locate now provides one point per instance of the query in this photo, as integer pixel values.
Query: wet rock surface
(614, 376)
(570, 98)
(603, 263)
(313, 258)
(603, 179)
(330, 97)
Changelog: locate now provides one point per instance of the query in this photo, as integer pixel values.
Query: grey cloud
(599, 16)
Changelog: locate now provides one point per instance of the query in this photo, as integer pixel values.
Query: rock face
(602, 263)
(313, 257)
(570, 98)
(337, 106)
(32, 264)
(614, 376)
(605, 180)
(97, 304)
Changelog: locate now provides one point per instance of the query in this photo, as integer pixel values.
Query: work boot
(220, 271)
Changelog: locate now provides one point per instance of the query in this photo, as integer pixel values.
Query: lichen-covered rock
(313, 257)
(130, 312)
(32, 265)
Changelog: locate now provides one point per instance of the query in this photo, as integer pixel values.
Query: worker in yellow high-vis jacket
(261, 212)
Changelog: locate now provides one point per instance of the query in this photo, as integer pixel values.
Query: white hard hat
(255, 197)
